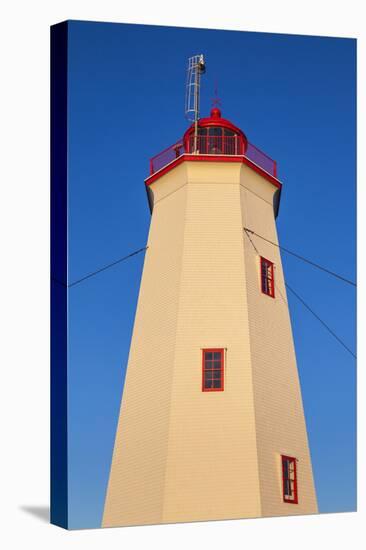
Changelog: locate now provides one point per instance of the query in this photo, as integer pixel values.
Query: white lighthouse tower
(211, 424)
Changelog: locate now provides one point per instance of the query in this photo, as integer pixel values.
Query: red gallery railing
(214, 145)
(165, 157)
(261, 159)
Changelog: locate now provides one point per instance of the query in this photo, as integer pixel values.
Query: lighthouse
(211, 424)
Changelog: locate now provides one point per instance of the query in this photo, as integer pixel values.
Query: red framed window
(212, 369)
(267, 277)
(289, 479)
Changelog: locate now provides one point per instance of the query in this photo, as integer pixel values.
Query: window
(217, 140)
(215, 131)
(267, 277)
(212, 370)
(289, 479)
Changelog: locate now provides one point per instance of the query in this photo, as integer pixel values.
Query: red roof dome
(215, 120)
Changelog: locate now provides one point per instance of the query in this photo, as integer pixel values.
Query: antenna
(216, 101)
(196, 67)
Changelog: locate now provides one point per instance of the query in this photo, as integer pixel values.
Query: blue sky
(294, 97)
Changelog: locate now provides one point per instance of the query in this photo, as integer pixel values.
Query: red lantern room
(216, 139)
(216, 136)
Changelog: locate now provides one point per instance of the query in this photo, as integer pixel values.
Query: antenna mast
(196, 67)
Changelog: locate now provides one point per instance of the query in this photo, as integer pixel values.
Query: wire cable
(253, 245)
(307, 307)
(301, 257)
(101, 269)
(320, 320)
